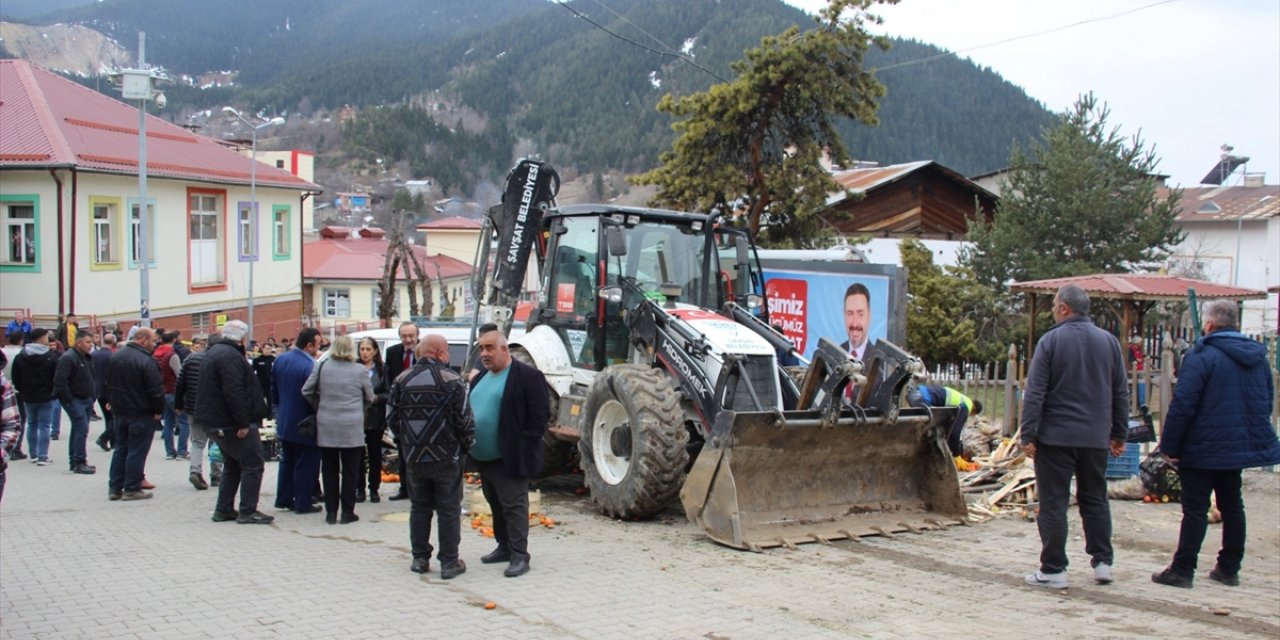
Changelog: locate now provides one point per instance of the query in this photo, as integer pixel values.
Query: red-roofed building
(344, 266)
(69, 214)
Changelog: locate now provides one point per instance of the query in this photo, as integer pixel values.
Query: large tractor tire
(557, 454)
(632, 449)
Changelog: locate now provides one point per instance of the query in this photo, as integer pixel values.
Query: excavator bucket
(768, 479)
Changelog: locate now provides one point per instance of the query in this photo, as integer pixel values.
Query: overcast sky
(1190, 75)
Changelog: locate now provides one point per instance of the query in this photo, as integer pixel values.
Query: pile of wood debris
(1006, 480)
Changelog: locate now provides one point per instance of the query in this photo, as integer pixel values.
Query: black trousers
(957, 427)
(435, 488)
(345, 462)
(1054, 468)
(373, 456)
(508, 498)
(1197, 484)
(242, 467)
(108, 432)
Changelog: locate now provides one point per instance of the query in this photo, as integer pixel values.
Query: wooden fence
(998, 385)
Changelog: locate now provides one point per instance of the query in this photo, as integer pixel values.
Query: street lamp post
(253, 195)
(140, 84)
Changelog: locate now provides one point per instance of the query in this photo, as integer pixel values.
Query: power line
(668, 53)
(1023, 37)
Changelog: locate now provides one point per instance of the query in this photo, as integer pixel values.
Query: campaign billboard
(839, 301)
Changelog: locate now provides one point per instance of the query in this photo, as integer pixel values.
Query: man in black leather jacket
(136, 397)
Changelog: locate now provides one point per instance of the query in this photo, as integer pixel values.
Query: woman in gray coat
(339, 387)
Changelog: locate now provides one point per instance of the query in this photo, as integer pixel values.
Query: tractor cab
(601, 262)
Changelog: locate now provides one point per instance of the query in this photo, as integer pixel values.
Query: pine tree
(751, 146)
(1083, 200)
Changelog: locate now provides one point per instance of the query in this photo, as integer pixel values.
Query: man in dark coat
(230, 406)
(74, 383)
(510, 404)
(136, 398)
(101, 358)
(400, 358)
(1219, 423)
(299, 456)
(33, 370)
(1074, 409)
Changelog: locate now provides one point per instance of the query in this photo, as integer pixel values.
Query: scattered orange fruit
(490, 605)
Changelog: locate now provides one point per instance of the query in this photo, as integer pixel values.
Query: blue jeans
(172, 419)
(79, 411)
(129, 458)
(39, 423)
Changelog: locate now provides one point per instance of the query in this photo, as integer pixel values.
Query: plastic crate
(1126, 466)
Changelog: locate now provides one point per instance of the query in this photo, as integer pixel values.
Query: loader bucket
(768, 479)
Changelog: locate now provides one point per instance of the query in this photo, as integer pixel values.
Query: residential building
(71, 216)
(342, 270)
(1233, 237)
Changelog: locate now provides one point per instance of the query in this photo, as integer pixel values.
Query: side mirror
(753, 301)
(743, 251)
(616, 240)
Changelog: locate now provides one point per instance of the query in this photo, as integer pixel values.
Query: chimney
(1258, 179)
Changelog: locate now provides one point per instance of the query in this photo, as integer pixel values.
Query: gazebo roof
(1139, 286)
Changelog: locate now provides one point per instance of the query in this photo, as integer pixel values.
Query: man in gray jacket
(1073, 410)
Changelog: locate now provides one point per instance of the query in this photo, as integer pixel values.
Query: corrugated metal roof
(49, 121)
(864, 180)
(452, 222)
(365, 258)
(1139, 286)
(1208, 204)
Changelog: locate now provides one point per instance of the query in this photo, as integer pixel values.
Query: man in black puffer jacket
(136, 397)
(230, 406)
(184, 403)
(33, 370)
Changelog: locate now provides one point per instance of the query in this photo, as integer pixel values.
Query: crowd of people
(332, 413)
(210, 400)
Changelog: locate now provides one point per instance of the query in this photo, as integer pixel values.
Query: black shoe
(215, 481)
(257, 517)
(360, 496)
(115, 495)
(501, 554)
(454, 569)
(53, 437)
(374, 497)
(103, 443)
(1229, 579)
(310, 509)
(331, 518)
(84, 469)
(399, 495)
(136, 495)
(17, 455)
(1172, 578)
(420, 565)
(348, 518)
(224, 516)
(518, 567)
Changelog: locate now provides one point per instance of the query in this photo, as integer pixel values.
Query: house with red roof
(344, 266)
(70, 215)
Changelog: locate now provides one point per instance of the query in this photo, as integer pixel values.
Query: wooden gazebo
(1128, 295)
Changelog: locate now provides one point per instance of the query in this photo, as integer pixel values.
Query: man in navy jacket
(510, 404)
(299, 455)
(1219, 423)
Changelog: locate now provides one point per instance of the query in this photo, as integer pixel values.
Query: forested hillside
(535, 72)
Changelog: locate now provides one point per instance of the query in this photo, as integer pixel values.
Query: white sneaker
(1047, 580)
(1102, 573)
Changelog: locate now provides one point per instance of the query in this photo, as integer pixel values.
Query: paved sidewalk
(73, 565)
